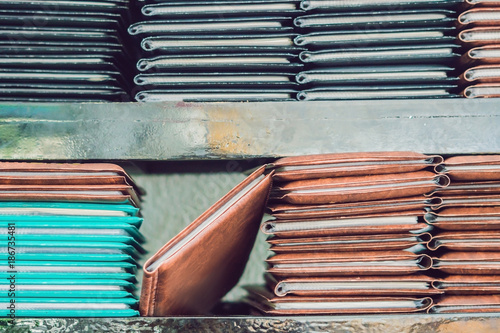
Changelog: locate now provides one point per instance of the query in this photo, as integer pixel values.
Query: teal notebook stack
(70, 240)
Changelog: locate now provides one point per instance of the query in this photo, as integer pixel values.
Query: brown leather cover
(262, 299)
(468, 263)
(468, 39)
(268, 227)
(289, 211)
(471, 57)
(466, 304)
(478, 90)
(193, 279)
(347, 189)
(339, 165)
(465, 218)
(349, 243)
(469, 284)
(469, 188)
(465, 201)
(368, 258)
(86, 174)
(479, 168)
(280, 286)
(49, 193)
(470, 75)
(483, 3)
(467, 241)
(464, 20)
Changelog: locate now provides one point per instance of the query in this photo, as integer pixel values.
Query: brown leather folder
(289, 211)
(468, 263)
(481, 55)
(354, 189)
(71, 193)
(482, 90)
(31, 173)
(465, 218)
(469, 188)
(350, 164)
(383, 242)
(466, 241)
(450, 201)
(477, 17)
(370, 224)
(480, 36)
(354, 286)
(469, 284)
(481, 74)
(347, 263)
(264, 300)
(195, 269)
(471, 168)
(466, 304)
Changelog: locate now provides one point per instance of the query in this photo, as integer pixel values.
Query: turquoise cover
(132, 220)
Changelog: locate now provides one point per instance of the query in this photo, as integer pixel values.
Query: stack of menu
(63, 51)
(224, 50)
(377, 49)
(480, 35)
(70, 240)
(348, 234)
(467, 238)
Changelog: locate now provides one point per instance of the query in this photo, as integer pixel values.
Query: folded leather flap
(470, 279)
(279, 241)
(456, 256)
(350, 164)
(180, 278)
(478, 200)
(458, 212)
(452, 300)
(479, 16)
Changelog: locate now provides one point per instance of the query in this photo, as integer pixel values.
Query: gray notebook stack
(377, 49)
(216, 50)
(63, 51)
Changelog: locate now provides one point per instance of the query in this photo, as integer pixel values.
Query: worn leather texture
(466, 304)
(340, 165)
(467, 241)
(478, 168)
(353, 189)
(265, 301)
(469, 284)
(341, 263)
(468, 263)
(349, 243)
(193, 279)
(289, 211)
(465, 218)
(280, 286)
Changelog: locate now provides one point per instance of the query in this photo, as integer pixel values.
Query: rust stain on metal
(223, 132)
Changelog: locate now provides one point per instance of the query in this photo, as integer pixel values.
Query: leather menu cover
(481, 74)
(347, 263)
(482, 90)
(466, 241)
(480, 36)
(466, 304)
(469, 284)
(350, 164)
(468, 263)
(471, 168)
(465, 218)
(353, 286)
(265, 301)
(70, 193)
(469, 189)
(201, 264)
(481, 55)
(369, 224)
(480, 17)
(357, 188)
(450, 201)
(385, 242)
(30, 173)
(289, 211)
